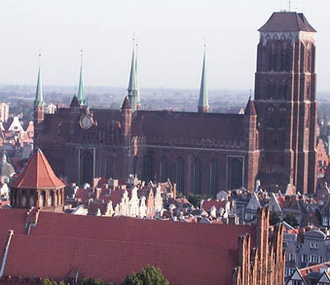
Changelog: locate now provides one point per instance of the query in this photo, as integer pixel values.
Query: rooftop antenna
(290, 2)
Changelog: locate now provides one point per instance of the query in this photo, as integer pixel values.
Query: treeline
(149, 275)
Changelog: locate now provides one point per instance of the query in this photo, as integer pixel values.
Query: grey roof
(287, 22)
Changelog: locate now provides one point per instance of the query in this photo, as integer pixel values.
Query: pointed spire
(81, 93)
(133, 84)
(39, 99)
(250, 109)
(203, 103)
(126, 105)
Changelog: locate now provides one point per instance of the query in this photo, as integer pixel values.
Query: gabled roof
(126, 105)
(111, 248)
(287, 22)
(74, 102)
(37, 174)
(250, 109)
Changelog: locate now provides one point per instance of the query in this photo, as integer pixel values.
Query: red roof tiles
(111, 248)
(37, 174)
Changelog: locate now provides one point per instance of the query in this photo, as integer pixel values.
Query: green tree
(48, 281)
(196, 199)
(91, 281)
(274, 218)
(149, 275)
(291, 220)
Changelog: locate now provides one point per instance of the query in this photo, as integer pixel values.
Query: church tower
(285, 85)
(38, 106)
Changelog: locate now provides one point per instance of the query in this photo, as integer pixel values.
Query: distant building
(51, 108)
(201, 152)
(4, 112)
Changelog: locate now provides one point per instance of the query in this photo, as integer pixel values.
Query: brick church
(202, 152)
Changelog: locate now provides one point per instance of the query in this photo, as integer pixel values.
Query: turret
(133, 84)
(38, 105)
(203, 103)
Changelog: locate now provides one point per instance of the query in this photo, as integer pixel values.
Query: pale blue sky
(170, 35)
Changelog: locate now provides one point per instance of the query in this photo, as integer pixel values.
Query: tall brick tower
(285, 84)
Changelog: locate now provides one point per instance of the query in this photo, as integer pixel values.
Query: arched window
(214, 177)
(52, 198)
(135, 165)
(198, 176)
(42, 201)
(86, 168)
(180, 174)
(272, 58)
(163, 168)
(236, 173)
(148, 168)
(110, 167)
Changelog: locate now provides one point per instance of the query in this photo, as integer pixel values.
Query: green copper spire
(81, 93)
(133, 84)
(203, 103)
(39, 99)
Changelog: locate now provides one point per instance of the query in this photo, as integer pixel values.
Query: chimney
(174, 191)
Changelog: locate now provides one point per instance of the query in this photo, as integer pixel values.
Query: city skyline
(170, 37)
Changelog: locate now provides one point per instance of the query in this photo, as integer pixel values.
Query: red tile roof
(111, 248)
(37, 174)
(208, 204)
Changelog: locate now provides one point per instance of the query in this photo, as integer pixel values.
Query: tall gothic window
(135, 165)
(148, 167)
(214, 176)
(163, 168)
(236, 173)
(86, 168)
(198, 176)
(272, 59)
(110, 167)
(180, 174)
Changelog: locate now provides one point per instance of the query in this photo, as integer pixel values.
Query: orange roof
(37, 174)
(112, 248)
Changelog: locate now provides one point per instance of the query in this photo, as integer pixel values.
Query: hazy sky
(170, 34)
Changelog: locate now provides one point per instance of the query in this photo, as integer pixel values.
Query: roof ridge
(205, 246)
(46, 165)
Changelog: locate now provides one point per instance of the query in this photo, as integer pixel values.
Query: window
(180, 174)
(214, 177)
(198, 176)
(163, 168)
(296, 282)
